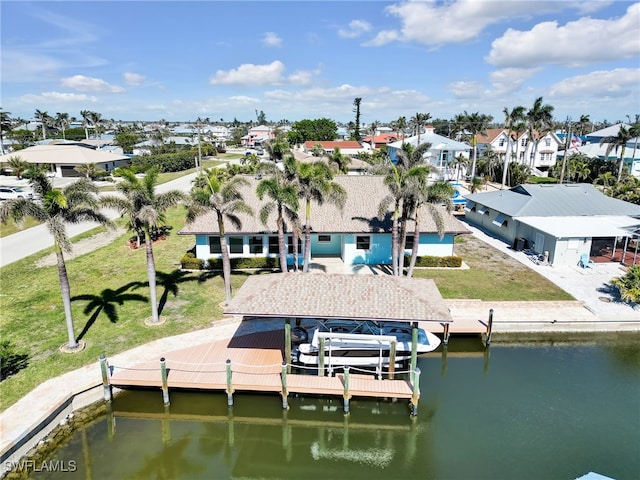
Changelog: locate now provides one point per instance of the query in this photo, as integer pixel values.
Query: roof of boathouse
(357, 297)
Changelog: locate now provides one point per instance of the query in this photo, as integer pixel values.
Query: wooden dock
(251, 363)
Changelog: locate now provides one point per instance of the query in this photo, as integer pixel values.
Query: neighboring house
(64, 158)
(355, 167)
(564, 220)
(348, 148)
(355, 234)
(257, 136)
(523, 151)
(144, 148)
(442, 152)
(381, 139)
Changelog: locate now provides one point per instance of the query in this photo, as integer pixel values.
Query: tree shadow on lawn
(106, 302)
(170, 282)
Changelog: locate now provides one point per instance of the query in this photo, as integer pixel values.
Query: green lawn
(33, 319)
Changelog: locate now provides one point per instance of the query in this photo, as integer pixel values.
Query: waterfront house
(355, 234)
(560, 221)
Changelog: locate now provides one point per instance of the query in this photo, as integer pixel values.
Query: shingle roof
(342, 144)
(364, 195)
(554, 200)
(360, 297)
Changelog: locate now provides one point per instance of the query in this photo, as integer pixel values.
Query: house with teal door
(355, 234)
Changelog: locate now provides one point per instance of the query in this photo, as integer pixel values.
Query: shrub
(166, 162)
(629, 284)
(245, 263)
(430, 261)
(190, 262)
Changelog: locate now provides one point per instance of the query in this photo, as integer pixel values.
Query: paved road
(33, 240)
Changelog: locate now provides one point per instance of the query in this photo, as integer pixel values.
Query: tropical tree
(607, 180)
(5, 126)
(314, 182)
(18, 165)
(74, 204)
(629, 284)
(283, 196)
(583, 125)
(45, 120)
(539, 123)
(513, 120)
(338, 161)
(459, 165)
(399, 126)
(223, 197)
(615, 142)
(395, 181)
(278, 146)
(477, 184)
(98, 123)
(430, 197)
(62, 121)
(419, 121)
(145, 209)
(374, 128)
(475, 124)
(86, 122)
(356, 124)
(89, 170)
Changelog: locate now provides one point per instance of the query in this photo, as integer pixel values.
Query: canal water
(553, 410)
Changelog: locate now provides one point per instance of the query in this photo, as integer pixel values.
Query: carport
(335, 296)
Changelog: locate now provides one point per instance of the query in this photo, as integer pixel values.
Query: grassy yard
(112, 279)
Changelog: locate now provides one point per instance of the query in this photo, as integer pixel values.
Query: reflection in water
(537, 411)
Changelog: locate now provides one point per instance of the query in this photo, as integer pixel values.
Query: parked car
(12, 193)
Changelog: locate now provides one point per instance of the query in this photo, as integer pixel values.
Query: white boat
(364, 344)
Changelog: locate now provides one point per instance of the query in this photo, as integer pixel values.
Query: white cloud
(355, 29)
(382, 38)
(56, 98)
(437, 23)
(133, 78)
(465, 89)
(89, 84)
(23, 66)
(582, 42)
(620, 82)
(271, 39)
(249, 74)
(508, 80)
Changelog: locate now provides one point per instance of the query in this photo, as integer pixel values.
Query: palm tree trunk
(505, 167)
(394, 239)
(281, 245)
(621, 163)
(226, 261)
(294, 238)
(151, 275)
(414, 249)
(402, 240)
(307, 239)
(65, 290)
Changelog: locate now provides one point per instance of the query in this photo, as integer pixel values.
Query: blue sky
(152, 60)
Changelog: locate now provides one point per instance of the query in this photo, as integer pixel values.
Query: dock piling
(165, 385)
(346, 396)
(414, 345)
(287, 341)
(321, 358)
(106, 385)
(487, 340)
(445, 334)
(392, 359)
(416, 392)
(229, 384)
(285, 393)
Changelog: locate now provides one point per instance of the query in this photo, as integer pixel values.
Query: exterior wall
(568, 250)
(508, 232)
(379, 252)
(332, 247)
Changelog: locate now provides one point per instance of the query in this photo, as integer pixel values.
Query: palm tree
(5, 126)
(475, 124)
(629, 284)
(418, 122)
(86, 122)
(607, 180)
(374, 128)
(278, 146)
(513, 120)
(75, 203)
(18, 165)
(477, 184)
(356, 127)
(44, 118)
(338, 161)
(539, 123)
(89, 170)
(583, 124)
(62, 120)
(395, 181)
(399, 126)
(145, 209)
(430, 197)
(284, 200)
(96, 120)
(222, 196)
(459, 163)
(617, 141)
(315, 183)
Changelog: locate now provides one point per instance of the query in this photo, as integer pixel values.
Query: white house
(564, 220)
(355, 234)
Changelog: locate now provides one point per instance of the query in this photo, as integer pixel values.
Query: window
(500, 220)
(290, 244)
(324, 238)
(273, 245)
(470, 206)
(409, 243)
(523, 142)
(482, 210)
(255, 245)
(501, 143)
(236, 245)
(363, 242)
(214, 245)
(547, 142)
